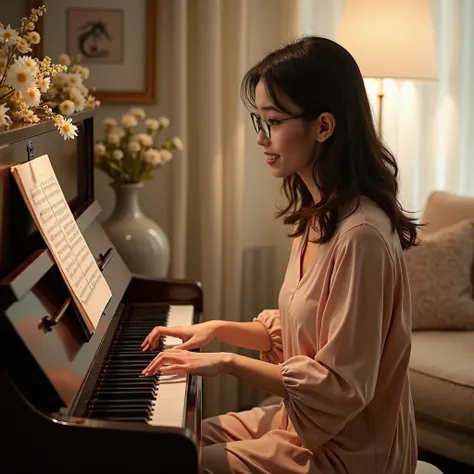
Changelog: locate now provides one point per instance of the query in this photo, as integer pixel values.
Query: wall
(156, 193)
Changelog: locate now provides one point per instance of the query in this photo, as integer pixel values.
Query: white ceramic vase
(141, 242)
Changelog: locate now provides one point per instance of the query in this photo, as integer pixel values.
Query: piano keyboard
(120, 393)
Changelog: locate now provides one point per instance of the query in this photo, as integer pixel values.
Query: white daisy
(139, 112)
(34, 37)
(20, 77)
(166, 155)
(99, 149)
(164, 122)
(23, 46)
(129, 121)
(74, 79)
(79, 101)
(31, 96)
(60, 78)
(44, 84)
(8, 35)
(144, 139)
(134, 147)
(152, 124)
(113, 138)
(84, 72)
(177, 142)
(117, 155)
(66, 128)
(153, 157)
(28, 62)
(66, 107)
(109, 123)
(118, 130)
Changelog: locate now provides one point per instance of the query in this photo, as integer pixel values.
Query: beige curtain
(426, 124)
(212, 49)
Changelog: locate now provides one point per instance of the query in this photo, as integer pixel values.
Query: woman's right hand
(193, 337)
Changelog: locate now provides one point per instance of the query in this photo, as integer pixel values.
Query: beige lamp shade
(390, 38)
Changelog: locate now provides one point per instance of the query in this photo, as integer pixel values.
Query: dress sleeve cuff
(270, 318)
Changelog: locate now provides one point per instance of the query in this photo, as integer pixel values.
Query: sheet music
(51, 212)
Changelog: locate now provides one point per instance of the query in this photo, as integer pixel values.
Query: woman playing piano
(338, 347)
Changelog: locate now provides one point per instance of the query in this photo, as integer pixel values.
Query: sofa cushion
(440, 272)
(442, 377)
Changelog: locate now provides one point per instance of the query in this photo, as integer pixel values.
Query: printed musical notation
(50, 210)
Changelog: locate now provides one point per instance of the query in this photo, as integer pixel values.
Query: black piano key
(121, 393)
(114, 388)
(126, 380)
(126, 377)
(124, 407)
(120, 412)
(127, 418)
(123, 404)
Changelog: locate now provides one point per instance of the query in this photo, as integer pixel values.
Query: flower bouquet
(128, 155)
(23, 79)
(68, 93)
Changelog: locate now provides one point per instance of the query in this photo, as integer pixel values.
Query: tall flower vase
(141, 242)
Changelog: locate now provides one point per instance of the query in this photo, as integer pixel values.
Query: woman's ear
(325, 125)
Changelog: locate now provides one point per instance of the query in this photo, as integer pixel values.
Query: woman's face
(293, 143)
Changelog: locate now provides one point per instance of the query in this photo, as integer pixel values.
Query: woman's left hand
(178, 361)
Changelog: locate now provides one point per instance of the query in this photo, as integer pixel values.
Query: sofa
(442, 359)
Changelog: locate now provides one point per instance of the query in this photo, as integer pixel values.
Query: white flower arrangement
(24, 79)
(130, 156)
(68, 94)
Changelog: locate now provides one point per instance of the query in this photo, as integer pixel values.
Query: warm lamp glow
(390, 38)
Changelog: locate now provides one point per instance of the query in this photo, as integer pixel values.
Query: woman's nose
(261, 138)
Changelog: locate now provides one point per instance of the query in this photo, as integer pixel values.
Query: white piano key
(179, 315)
(169, 407)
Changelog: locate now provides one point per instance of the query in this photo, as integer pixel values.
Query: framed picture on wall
(96, 34)
(116, 40)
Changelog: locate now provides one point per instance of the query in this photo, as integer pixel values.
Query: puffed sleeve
(270, 318)
(325, 392)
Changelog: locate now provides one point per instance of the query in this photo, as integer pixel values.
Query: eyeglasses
(265, 127)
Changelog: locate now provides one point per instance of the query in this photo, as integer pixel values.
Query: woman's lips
(271, 159)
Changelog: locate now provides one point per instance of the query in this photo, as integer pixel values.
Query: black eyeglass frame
(257, 123)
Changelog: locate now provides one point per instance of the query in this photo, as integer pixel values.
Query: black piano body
(50, 367)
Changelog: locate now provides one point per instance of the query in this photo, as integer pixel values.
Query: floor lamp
(390, 39)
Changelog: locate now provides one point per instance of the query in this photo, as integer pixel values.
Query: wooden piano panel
(72, 162)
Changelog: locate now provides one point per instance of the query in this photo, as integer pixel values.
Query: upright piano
(71, 401)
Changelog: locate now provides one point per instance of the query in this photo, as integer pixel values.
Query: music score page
(49, 208)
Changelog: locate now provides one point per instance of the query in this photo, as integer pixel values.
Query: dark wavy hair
(319, 76)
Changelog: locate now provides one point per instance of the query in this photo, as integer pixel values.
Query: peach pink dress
(342, 339)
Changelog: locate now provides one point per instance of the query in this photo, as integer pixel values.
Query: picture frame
(104, 33)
